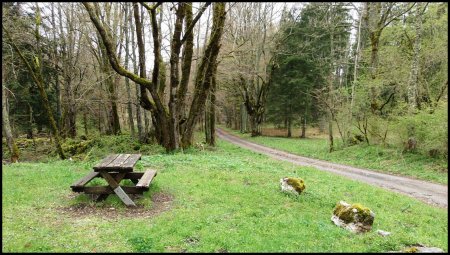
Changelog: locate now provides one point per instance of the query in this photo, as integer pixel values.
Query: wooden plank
(144, 182)
(123, 196)
(111, 181)
(118, 178)
(117, 189)
(83, 181)
(133, 176)
(122, 163)
(115, 169)
(131, 161)
(99, 190)
(105, 161)
(118, 162)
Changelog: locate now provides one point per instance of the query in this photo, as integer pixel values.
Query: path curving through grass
(431, 193)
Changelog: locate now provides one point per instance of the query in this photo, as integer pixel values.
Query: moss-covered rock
(419, 248)
(292, 184)
(76, 147)
(355, 218)
(411, 250)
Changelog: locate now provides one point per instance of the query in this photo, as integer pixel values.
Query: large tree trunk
(237, 123)
(330, 95)
(186, 69)
(13, 150)
(206, 69)
(56, 61)
(244, 118)
(112, 87)
(69, 108)
(289, 127)
(71, 116)
(138, 94)
(159, 113)
(256, 117)
(127, 81)
(208, 119)
(374, 42)
(211, 112)
(174, 78)
(303, 121)
(355, 71)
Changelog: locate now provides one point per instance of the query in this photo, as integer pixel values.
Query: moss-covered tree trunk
(206, 69)
(13, 150)
(207, 120)
(210, 128)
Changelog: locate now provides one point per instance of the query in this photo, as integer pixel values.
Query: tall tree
(378, 16)
(412, 88)
(252, 37)
(127, 57)
(167, 118)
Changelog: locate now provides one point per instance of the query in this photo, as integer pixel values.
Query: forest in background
(372, 73)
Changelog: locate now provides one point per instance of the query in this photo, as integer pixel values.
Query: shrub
(428, 128)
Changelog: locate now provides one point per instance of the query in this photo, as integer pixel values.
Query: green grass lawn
(227, 199)
(374, 157)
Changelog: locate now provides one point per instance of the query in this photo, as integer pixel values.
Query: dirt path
(434, 194)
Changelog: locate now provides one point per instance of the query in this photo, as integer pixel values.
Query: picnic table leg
(117, 189)
(117, 178)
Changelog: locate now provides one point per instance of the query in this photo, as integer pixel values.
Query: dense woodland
(372, 72)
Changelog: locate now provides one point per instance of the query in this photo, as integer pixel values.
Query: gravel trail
(431, 193)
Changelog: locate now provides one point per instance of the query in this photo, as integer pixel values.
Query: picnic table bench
(114, 169)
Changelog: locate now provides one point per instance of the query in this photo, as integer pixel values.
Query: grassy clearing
(388, 160)
(228, 199)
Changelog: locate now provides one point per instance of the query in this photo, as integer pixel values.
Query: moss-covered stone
(422, 249)
(74, 148)
(354, 217)
(292, 184)
(411, 250)
(297, 183)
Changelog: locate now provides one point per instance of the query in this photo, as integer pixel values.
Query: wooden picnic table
(114, 169)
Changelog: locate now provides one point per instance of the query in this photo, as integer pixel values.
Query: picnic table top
(118, 163)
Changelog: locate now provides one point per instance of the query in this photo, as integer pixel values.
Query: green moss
(363, 213)
(297, 183)
(411, 250)
(347, 215)
(74, 148)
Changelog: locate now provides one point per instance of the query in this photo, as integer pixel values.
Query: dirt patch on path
(161, 202)
(431, 193)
